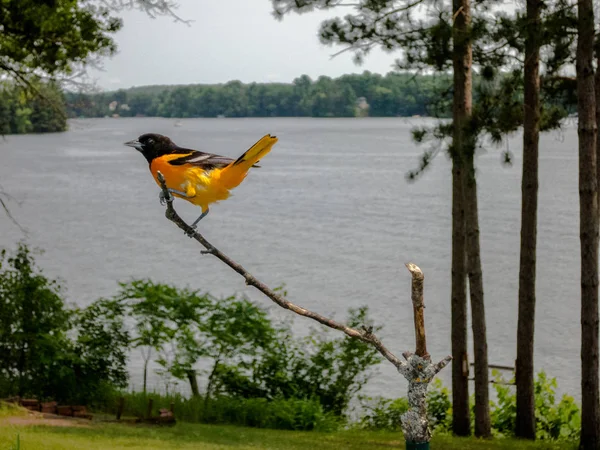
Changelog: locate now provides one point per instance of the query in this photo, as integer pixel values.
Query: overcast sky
(227, 40)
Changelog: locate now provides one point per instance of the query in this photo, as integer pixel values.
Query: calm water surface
(329, 214)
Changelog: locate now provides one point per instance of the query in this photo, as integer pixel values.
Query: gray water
(329, 214)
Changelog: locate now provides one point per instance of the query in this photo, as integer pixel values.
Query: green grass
(10, 410)
(213, 437)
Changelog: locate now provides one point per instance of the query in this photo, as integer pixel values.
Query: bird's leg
(193, 225)
(164, 198)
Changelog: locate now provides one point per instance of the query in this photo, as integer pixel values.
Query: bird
(198, 177)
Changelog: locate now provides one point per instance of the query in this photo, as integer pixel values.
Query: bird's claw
(165, 198)
(191, 232)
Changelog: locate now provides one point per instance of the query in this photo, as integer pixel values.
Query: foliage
(196, 326)
(283, 414)
(33, 325)
(100, 348)
(53, 41)
(423, 31)
(383, 413)
(330, 370)
(439, 406)
(249, 357)
(25, 111)
(554, 421)
(11, 410)
(48, 350)
(53, 36)
(58, 37)
(394, 94)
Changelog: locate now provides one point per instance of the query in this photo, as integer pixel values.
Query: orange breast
(201, 187)
(175, 176)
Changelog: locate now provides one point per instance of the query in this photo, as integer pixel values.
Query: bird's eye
(150, 141)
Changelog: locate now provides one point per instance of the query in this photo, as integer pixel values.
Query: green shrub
(332, 371)
(383, 413)
(49, 351)
(439, 406)
(282, 414)
(248, 355)
(555, 421)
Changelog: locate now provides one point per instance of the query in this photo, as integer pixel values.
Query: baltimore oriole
(198, 177)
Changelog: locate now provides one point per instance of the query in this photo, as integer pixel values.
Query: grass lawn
(99, 436)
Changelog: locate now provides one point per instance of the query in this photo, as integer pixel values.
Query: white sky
(227, 40)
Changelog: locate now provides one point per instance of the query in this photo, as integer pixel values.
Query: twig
(8, 212)
(365, 335)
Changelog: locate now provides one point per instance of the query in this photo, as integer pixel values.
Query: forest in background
(39, 109)
(351, 95)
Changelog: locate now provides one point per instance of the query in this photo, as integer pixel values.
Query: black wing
(206, 161)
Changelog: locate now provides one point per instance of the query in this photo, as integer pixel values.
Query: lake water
(329, 214)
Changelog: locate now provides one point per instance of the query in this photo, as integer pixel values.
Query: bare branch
(365, 335)
(153, 8)
(8, 213)
(440, 365)
(418, 369)
(418, 306)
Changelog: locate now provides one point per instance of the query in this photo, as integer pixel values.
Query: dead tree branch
(365, 335)
(418, 369)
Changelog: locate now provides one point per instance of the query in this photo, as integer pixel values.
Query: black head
(152, 145)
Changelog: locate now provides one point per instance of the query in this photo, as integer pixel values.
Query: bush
(330, 370)
(555, 421)
(439, 406)
(248, 355)
(383, 413)
(49, 351)
(281, 414)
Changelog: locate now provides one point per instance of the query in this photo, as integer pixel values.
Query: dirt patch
(45, 419)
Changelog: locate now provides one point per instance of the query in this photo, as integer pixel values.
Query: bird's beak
(135, 144)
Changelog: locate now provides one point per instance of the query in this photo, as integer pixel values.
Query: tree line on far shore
(353, 95)
(366, 94)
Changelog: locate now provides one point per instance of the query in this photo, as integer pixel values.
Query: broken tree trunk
(419, 373)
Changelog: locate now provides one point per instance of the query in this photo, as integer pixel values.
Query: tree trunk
(525, 423)
(211, 379)
(462, 107)
(191, 375)
(461, 415)
(463, 153)
(588, 227)
(597, 92)
(482, 397)
(145, 373)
